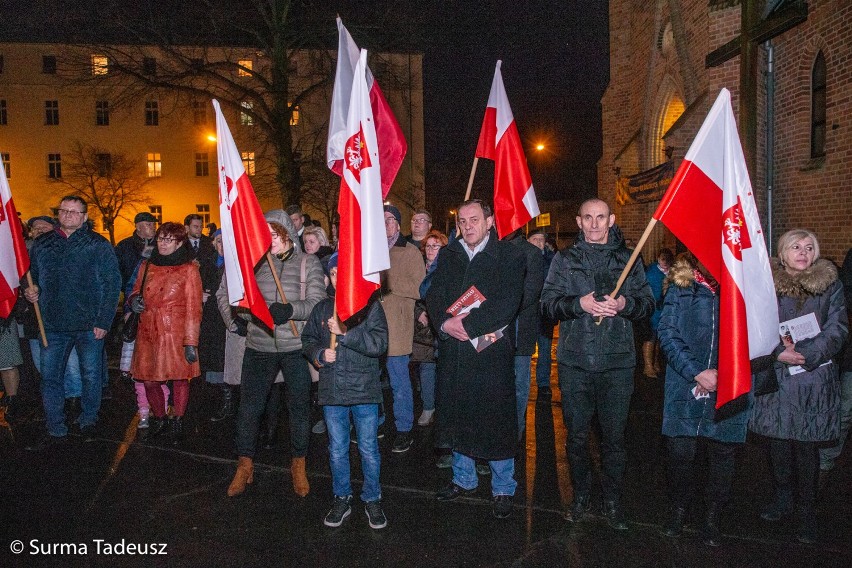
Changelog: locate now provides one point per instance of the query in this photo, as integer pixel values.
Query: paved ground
(120, 490)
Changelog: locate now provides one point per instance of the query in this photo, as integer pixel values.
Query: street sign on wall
(543, 220)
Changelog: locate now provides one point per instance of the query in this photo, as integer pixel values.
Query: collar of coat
(456, 245)
(400, 241)
(811, 282)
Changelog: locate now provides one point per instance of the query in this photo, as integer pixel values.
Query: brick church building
(788, 65)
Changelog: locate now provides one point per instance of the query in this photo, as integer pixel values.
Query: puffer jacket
(354, 378)
(689, 336)
(588, 267)
(806, 406)
(281, 339)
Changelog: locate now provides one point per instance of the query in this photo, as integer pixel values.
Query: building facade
(58, 98)
(670, 59)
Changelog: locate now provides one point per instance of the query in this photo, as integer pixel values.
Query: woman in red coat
(167, 340)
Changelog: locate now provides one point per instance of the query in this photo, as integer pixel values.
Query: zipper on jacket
(709, 360)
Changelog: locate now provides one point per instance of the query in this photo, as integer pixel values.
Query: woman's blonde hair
(319, 233)
(790, 237)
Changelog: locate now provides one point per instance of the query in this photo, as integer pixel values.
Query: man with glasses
(77, 282)
(421, 224)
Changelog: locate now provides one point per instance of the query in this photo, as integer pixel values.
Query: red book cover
(472, 298)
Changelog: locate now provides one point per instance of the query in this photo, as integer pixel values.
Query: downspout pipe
(770, 142)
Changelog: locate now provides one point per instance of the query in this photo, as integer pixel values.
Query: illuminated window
(48, 64)
(155, 165)
(54, 166)
(199, 113)
(248, 162)
(818, 107)
(51, 113)
(294, 114)
(102, 113)
(7, 164)
(246, 119)
(100, 65)
(156, 211)
(149, 66)
(3, 117)
(152, 113)
(104, 164)
(203, 209)
(202, 164)
(245, 68)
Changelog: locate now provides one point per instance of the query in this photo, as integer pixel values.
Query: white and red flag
(710, 207)
(14, 259)
(515, 203)
(363, 246)
(245, 235)
(392, 145)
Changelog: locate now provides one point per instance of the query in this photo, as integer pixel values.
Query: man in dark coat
(476, 389)
(596, 353)
(528, 322)
(137, 246)
(204, 252)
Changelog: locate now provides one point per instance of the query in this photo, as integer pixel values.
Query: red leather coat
(171, 319)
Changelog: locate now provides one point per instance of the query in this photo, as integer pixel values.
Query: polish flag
(392, 145)
(710, 207)
(363, 246)
(245, 235)
(514, 196)
(14, 259)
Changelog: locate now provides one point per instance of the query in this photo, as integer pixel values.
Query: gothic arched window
(818, 107)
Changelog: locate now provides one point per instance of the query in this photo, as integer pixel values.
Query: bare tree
(110, 182)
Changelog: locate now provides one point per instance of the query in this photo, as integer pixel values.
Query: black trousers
(795, 464)
(259, 372)
(682, 486)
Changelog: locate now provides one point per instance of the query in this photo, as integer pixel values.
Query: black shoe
(807, 531)
(674, 524)
(11, 408)
(778, 509)
(452, 492)
(544, 393)
(375, 516)
(47, 441)
(89, 433)
(340, 509)
(614, 515)
(710, 533)
(176, 429)
(482, 468)
(501, 507)
(402, 443)
(380, 432)
(73, 409)
(578, 509)
(226, 405)
(444, 461)
(155, 427)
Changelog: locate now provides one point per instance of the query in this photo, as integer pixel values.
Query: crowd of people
(463, 316)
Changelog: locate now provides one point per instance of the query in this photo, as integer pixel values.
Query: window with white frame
(54, 166)
(246, 118)
(203, 209)
(155, 164)
(248, 162)
(202, 164)
(152, 113)
(51, 113)
(157, 211)
(102, 113)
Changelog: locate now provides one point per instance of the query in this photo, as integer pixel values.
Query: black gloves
(190, 352)
(281, 312)
(137, 304)
(240, 327)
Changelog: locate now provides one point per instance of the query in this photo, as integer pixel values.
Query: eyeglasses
(390, 220)
(166, 239)
(420, 221)
(433, 247)
(71, 212)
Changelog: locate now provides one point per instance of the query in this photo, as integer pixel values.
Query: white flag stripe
(531, 203)
(498, 100)
(8, 262)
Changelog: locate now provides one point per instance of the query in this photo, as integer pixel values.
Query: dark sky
(555, 69)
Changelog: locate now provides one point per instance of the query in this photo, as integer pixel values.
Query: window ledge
(813, 164)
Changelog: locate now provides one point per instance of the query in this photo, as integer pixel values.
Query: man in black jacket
(596, 354)
(137, 246)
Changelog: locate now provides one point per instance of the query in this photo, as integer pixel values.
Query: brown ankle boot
(243, 477)
(300, 478)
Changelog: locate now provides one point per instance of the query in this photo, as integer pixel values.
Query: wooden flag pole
(636, 252)
(38, 312)
(280, 289)
(332, 344)
(470, 181)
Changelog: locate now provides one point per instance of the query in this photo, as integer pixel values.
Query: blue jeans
(427, 384)
(54, 359)
(73, 380)
(366, 418)
(608, 393)
(522, 388)
(502, 474)
(542, 365)
(403, 398)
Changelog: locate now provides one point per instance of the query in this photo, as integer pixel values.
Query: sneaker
(380, 432)
(578, 509)
(89, 433)
(319, 427)
(144, 422)
(340, 509)
(501, 507)
(375, 516)
(426, 417)
(402, 443)
(444, 461)
(614, 515)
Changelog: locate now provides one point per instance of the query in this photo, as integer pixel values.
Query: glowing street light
(539, 147)
(211, 138)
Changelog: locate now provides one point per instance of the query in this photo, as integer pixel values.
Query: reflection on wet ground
(119, 489)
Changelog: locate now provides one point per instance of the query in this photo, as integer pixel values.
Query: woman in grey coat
(806, 408)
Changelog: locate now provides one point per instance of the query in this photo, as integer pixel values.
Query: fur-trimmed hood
(680, 274)
(811, 282)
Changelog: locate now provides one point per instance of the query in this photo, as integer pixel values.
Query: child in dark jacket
(349, 384)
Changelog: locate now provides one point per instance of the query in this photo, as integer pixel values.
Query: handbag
(131, 326)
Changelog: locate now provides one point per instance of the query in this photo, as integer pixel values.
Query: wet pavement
(118, 491)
